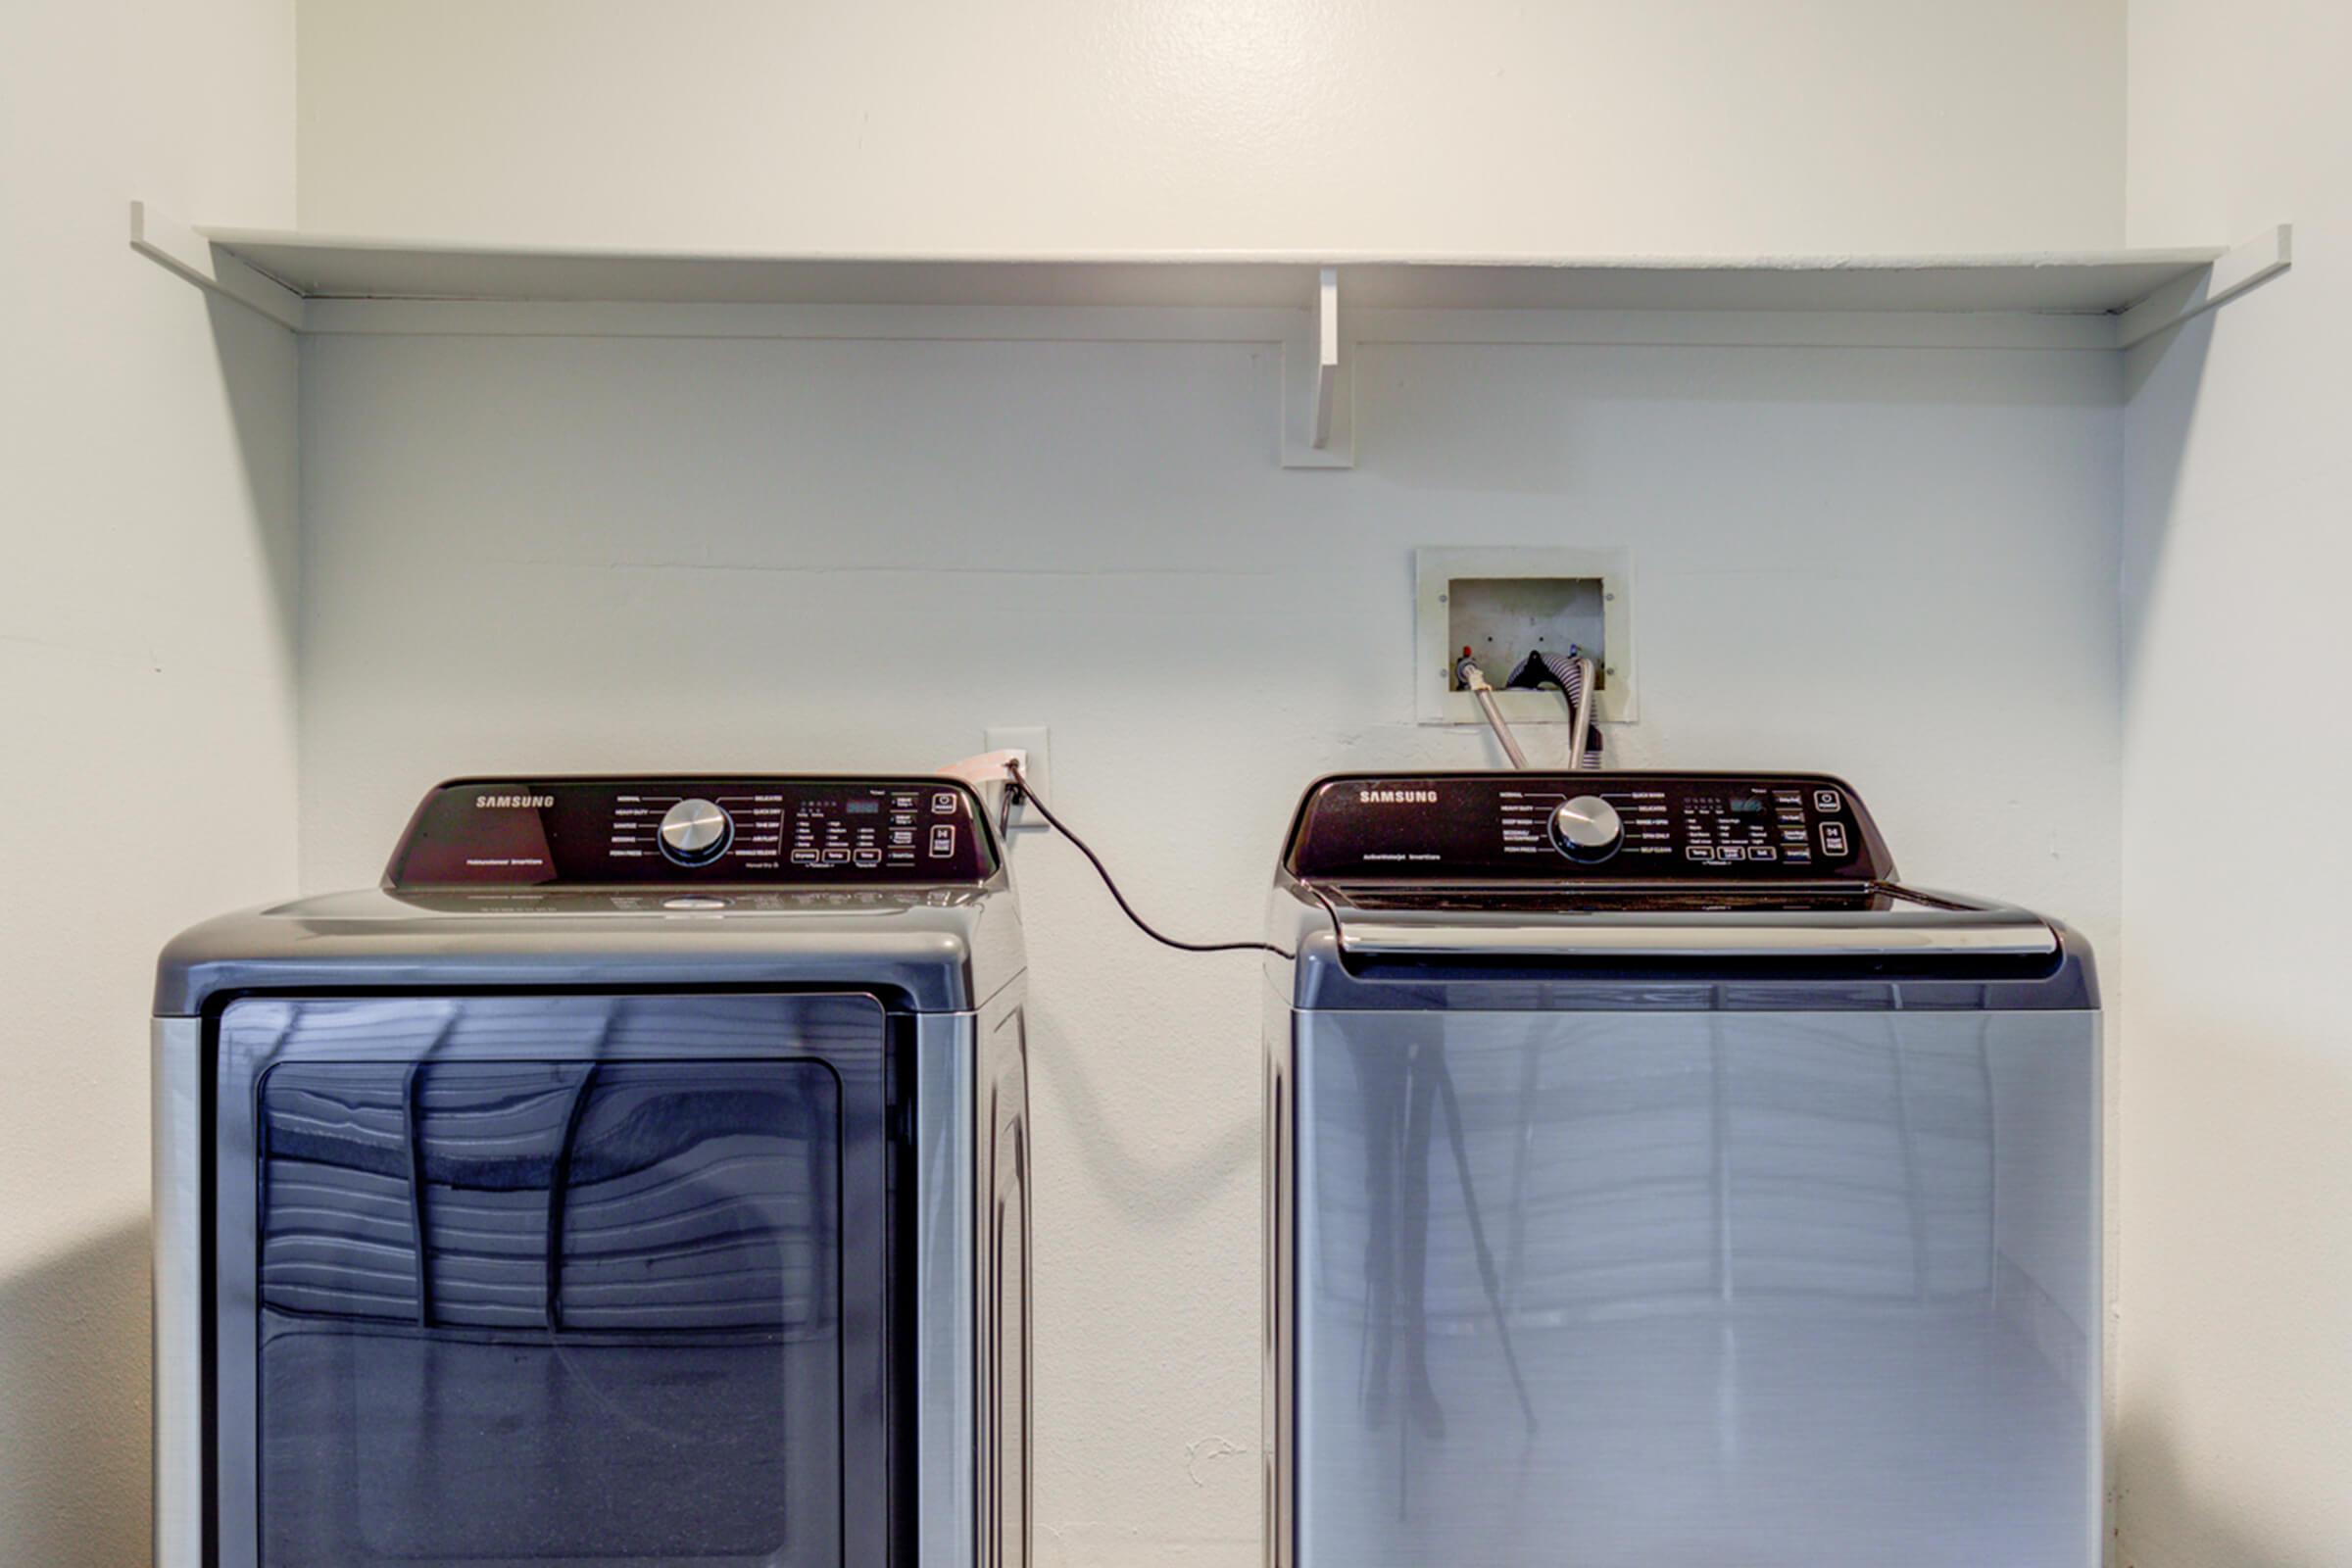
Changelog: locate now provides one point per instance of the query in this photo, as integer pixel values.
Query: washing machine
(639, 1175)
(1654, 1179)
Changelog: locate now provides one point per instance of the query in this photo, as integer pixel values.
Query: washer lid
(1841, 923)
(1909, 955)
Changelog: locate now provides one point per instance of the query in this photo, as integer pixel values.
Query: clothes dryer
(639, 1175)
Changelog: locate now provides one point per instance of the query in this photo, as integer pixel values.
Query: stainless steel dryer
(639, 1176)
(1654, 1180)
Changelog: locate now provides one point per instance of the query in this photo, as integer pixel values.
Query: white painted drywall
(561, 553)
(2234, 1402)
(147, 572)
(1454, 125)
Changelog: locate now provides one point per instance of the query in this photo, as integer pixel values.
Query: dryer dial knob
(1586, 828)
(696, 832)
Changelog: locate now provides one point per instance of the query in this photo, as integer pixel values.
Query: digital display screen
(862, 808)
(1748, 804)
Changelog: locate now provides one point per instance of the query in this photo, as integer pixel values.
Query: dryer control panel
(695, 830)
(1747, 828)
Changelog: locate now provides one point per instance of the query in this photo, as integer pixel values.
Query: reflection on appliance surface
(1404, 1093)
(541, 1311)
(1773, 1288)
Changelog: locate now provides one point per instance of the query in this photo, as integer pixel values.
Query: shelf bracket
(174, 244)
(1318, 392)
(2235, 271)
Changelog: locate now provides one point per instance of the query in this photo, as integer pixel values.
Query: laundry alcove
(593, 388)
(595, 535)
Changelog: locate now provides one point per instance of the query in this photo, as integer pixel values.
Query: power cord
(1021, 782)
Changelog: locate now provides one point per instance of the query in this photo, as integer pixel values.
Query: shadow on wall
(73, 1435)
(2161, 381)
(2196, 1532)
(259, 361)
(1157, 1191)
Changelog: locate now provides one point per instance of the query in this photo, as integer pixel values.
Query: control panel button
(1586, 828)
(1827, 801)
(943, 842)
(1763, 852)
(696, 832)
(943, 803)
(1833, 838)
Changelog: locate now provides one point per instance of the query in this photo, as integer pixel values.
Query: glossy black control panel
(1760, 829)
(699, 830)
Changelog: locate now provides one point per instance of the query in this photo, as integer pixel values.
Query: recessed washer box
(1504, 601)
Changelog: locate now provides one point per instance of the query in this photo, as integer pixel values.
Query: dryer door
(553, 1280)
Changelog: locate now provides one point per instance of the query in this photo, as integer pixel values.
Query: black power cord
(1021, 782)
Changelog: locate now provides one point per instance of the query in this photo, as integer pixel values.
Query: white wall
(146, 680)
(1091, 535)
(1457, 125)
(2235, 1397)
(562, 552)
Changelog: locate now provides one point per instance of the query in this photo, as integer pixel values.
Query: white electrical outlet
(1038, 766)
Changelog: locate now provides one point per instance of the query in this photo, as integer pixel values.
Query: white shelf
(321, 266)
(2093, 299)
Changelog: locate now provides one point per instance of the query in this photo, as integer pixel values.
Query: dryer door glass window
(552, 1312)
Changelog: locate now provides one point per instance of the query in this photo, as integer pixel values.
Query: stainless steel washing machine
(640, 1175)
(1653, 1179)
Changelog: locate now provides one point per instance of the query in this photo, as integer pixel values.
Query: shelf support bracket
(1318, 392)
(174, 245)
(2235, 271)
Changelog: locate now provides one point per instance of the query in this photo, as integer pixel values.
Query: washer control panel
(609, 832)
(1668, 827)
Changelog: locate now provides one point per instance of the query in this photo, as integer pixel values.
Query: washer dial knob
(1586, 828)
(696, 832)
